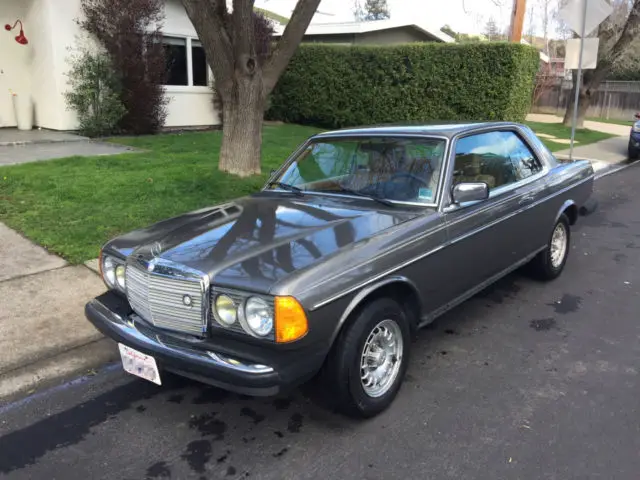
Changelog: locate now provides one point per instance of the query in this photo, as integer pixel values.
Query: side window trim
(446, 200)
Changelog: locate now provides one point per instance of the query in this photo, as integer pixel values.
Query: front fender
(369, 291)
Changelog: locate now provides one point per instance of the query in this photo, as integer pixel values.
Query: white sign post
(583, 16)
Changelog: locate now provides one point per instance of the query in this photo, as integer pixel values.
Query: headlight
(226, 310)
(258, 317)
(120, 276)
(109, 270)
(636, 127)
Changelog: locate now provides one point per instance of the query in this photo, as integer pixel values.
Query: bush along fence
(337, 86)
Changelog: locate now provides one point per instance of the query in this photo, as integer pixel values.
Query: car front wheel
(549, 263)
(368, 363)
(634, 153)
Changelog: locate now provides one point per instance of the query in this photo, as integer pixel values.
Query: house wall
(40, 68)
(392, 36)
(188, 105)
(344, 39)
(381, 37)
(14, 59)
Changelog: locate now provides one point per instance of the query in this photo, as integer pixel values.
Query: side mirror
(470, 192)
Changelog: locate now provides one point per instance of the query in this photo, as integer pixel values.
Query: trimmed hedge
(335, 86)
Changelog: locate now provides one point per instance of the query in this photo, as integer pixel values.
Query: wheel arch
(399, 288)
(569, 208)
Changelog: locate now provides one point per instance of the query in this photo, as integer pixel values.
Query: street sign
(589, 54)
(583, 16)
(573, 12)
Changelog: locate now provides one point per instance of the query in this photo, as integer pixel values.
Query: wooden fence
(613, 100)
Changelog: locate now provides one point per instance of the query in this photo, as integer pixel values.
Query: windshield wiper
(287, 186)
(356, 193)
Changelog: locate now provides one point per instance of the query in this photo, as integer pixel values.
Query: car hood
(254, 242)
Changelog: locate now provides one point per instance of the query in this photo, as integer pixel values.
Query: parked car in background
(634, 139)
(360, 238)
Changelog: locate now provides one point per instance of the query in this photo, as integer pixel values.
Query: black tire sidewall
(350, 351)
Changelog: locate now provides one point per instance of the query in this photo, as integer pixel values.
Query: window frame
(523, 135)
(440, 191)
(190, 87)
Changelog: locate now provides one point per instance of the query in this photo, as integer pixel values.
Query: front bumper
(228, 364)
(634, 140)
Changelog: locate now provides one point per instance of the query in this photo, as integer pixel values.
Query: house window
(185, 62)
(175, 54)
(199, 63)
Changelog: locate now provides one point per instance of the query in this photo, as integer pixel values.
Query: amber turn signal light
(291, 321)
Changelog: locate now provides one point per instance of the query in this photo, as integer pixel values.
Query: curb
(615, 168)
(55, 369)
(19, 143)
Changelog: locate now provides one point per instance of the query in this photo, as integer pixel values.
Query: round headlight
(258, 316)
(109, 271)
(120, 276)
(226, 310)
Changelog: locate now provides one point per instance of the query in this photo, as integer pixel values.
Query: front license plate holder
(139, 364)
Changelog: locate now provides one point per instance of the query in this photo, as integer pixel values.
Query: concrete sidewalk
(603, 155)
(610, 128)
(44, 336)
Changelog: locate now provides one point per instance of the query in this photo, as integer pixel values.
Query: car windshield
(405, 169)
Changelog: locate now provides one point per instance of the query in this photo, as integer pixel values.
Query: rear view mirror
(470, 192)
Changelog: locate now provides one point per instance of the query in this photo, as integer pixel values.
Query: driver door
(482, 239)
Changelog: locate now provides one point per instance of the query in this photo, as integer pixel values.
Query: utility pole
(517, 20)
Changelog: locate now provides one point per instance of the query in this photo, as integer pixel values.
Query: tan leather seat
(472, 171)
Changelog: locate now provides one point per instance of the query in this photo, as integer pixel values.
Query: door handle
(526, 199)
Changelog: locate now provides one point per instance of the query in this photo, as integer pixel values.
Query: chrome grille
(159, 299)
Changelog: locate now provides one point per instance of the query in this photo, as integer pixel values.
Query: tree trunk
(584, 100)
(243, 112)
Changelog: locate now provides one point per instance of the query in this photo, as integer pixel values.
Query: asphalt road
(525, 381)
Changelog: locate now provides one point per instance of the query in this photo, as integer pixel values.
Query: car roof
(443, 129)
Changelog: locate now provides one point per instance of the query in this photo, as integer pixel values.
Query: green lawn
(73, 205)
(583, 136)
(626, 123)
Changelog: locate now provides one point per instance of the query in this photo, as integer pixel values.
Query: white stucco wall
(188, 106)
(14, 59)
(65, 38)
(44, 90)
(40, 68)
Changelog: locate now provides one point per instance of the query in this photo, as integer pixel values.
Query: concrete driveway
(18, 146)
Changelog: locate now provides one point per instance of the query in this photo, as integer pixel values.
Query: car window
(495, 158)
(392, 168)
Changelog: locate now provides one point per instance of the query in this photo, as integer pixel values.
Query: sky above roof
(469, 16)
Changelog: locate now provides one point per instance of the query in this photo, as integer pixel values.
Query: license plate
(139, 364)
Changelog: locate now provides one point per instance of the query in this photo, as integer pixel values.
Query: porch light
(21, 39)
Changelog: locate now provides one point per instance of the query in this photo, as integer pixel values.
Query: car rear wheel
(368, 363)
(549, 263)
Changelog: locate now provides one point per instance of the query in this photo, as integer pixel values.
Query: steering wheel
(396, 191)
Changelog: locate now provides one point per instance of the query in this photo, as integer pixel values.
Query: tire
(544, 266)
(634, 153)
(344, 374)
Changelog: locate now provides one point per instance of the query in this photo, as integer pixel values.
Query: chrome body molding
(440, 247)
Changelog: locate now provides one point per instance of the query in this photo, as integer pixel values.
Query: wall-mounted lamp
(21, 39)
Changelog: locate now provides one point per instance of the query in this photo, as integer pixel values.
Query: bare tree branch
(288, 43)
(243, 36)
(209, 17)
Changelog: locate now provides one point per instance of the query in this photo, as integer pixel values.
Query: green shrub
(94, 94)
(336, 86)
